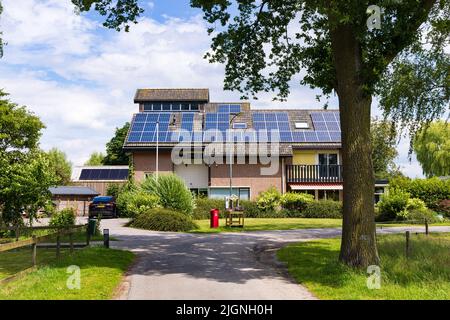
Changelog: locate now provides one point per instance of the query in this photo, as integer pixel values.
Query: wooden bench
(235, 218)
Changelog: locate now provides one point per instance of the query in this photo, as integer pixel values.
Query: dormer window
(301, 125)
(239, 125)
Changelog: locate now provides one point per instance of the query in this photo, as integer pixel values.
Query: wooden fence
(34, 240)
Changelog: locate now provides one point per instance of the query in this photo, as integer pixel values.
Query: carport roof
(72, 191)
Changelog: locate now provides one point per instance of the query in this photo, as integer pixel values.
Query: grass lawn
(425, 275)
(101, 272)
(256, 224)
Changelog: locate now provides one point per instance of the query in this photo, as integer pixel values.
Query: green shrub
(133, 202)
(172, 192)
(64, 218)
(444, 207)
(432, 191)
(323, 209)
(415, 204)
(160, 219)
(204, 205)
(420, 215)
(295, 201)
(392, 205)
(269, 200)
(113, 190)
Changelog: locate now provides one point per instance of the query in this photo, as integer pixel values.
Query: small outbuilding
(76, 197)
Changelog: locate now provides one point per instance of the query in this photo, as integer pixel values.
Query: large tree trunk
(358, 246)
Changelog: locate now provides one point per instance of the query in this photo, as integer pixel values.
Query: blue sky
(80, 78)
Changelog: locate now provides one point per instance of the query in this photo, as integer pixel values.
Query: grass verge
(260, 224)
(101, 271)
(425, 275)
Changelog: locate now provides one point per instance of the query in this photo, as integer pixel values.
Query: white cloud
(80, 78)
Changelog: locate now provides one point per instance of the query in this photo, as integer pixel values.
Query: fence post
(17, 233)
(71, 241)
(426, 226)
(106, 238)
(407, 244)
(33, 251)
(88, 236)
(58, 245)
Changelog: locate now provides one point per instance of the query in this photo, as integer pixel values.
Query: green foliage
(432, 147)
(392, 204)
(119, 14)
(132, 202)
(59, 164)
(204, 205)
(25, 174)
(64, 218)
(323, 209)
(422, 214)
(296, 201)
(113, 190)
(163, 220)
(115, 155)
(269, 200)
(172, 192)
(95, 159)
(415, 204)
(383, 149)
(432, 191)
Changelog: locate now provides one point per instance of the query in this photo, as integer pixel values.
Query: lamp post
(230, 158)
(157, 148)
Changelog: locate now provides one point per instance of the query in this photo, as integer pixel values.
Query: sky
(80, 78)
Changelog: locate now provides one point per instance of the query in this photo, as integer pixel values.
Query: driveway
(214, 266)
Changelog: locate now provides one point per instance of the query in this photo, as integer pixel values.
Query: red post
(214, 218)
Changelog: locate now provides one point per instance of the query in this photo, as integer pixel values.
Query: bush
(431, 191)
(163, 220)
(204, 205)
(133, 202)
(172, 192)
(295, 201)
(444, 207)
(392, 204)
(113, 190)
(64, 218)
(269, 200)
(420, 215)
(323, 209)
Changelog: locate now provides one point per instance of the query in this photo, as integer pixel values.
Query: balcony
(314, 173)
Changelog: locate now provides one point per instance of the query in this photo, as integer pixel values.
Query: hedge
(160, 219)
(432, 191)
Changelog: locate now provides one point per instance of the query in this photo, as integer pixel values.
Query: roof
(201, 95)
(72, 191)
(322, 133)
(100, 173)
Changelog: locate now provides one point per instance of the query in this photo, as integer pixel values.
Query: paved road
(214, 266)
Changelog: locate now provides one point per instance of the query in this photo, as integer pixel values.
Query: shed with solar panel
(99, 178)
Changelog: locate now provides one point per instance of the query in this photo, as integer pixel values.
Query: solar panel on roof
(327, 126)
(103, 174)
(229, 108)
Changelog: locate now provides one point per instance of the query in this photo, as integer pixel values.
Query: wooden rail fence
(34, 240)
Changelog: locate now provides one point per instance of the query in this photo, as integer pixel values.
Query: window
(239, 125)
(221, 193)
(301, 125)
(328, 165)
(156, 107)
(329, 195)
(194, 107)
(147, 107)
(185, 106)
(166, 107)
(199, 192)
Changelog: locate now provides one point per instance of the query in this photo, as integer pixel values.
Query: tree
(25, 174)
(384, 149)
(432, 147)
(96, 159)
(356, 49)
(59, 164)
(114, 148)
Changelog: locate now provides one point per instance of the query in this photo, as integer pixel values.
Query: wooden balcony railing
(313, 173)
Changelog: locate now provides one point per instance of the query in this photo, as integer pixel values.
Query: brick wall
(245, 175)
(146, 162)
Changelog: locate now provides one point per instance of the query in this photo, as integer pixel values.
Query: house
(76, 197)
(182, 131)
(99, 178)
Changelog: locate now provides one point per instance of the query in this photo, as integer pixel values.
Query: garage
(194, 175)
